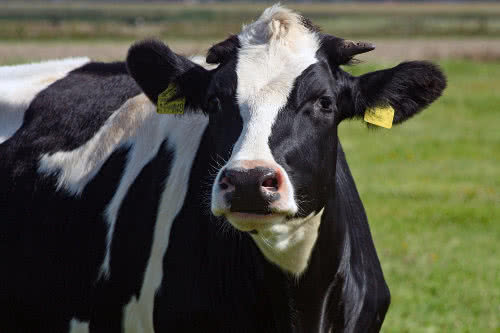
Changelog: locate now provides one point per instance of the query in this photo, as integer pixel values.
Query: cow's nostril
(270, 183)
(225, 181)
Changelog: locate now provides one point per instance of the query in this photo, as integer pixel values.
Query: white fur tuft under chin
(289, 245)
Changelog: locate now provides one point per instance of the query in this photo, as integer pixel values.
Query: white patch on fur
(274, 51)
(138, 313)
(19, 84)
(76, 326)
(289, 245)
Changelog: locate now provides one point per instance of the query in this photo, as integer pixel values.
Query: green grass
(431, 191)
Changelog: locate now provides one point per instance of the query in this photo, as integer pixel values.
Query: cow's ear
(408, 88)
(154, 67)
(221, 52)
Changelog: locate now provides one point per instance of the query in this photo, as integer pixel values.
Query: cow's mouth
(251, 222)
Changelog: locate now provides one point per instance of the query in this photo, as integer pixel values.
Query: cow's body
(115, 218)
(56, 220)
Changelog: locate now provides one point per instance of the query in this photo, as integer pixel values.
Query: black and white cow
(240, 215)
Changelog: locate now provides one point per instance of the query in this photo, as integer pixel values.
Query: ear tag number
(169, 102)
(380, 116)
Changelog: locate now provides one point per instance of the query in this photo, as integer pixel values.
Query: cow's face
(274, 103)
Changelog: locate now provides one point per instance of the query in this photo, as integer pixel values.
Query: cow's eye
(213, 105)
(326, 103)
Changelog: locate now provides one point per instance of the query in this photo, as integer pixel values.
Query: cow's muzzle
(251, 190)
(253, 194)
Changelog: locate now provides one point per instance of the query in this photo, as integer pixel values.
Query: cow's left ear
(154, 66)
(408, 88)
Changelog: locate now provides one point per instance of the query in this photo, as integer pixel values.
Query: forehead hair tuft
(276, 24)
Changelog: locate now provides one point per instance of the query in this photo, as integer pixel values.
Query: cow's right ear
(154, 66)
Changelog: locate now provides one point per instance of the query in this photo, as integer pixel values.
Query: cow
(238, 213)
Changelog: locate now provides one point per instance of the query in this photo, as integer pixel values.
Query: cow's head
(274, 103)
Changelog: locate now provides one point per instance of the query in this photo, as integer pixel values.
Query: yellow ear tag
(169, 102)
(380, 116)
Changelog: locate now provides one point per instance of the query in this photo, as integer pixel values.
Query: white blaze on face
(273, 52)
(266, 73)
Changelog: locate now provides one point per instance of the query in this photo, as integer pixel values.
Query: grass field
(80, 20)
(431, 187)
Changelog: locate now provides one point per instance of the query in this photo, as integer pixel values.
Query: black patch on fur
(304, 137)
(225, 126)
(221, 52)
(53, 245)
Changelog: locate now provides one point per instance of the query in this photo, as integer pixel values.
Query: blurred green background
(430, 186)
